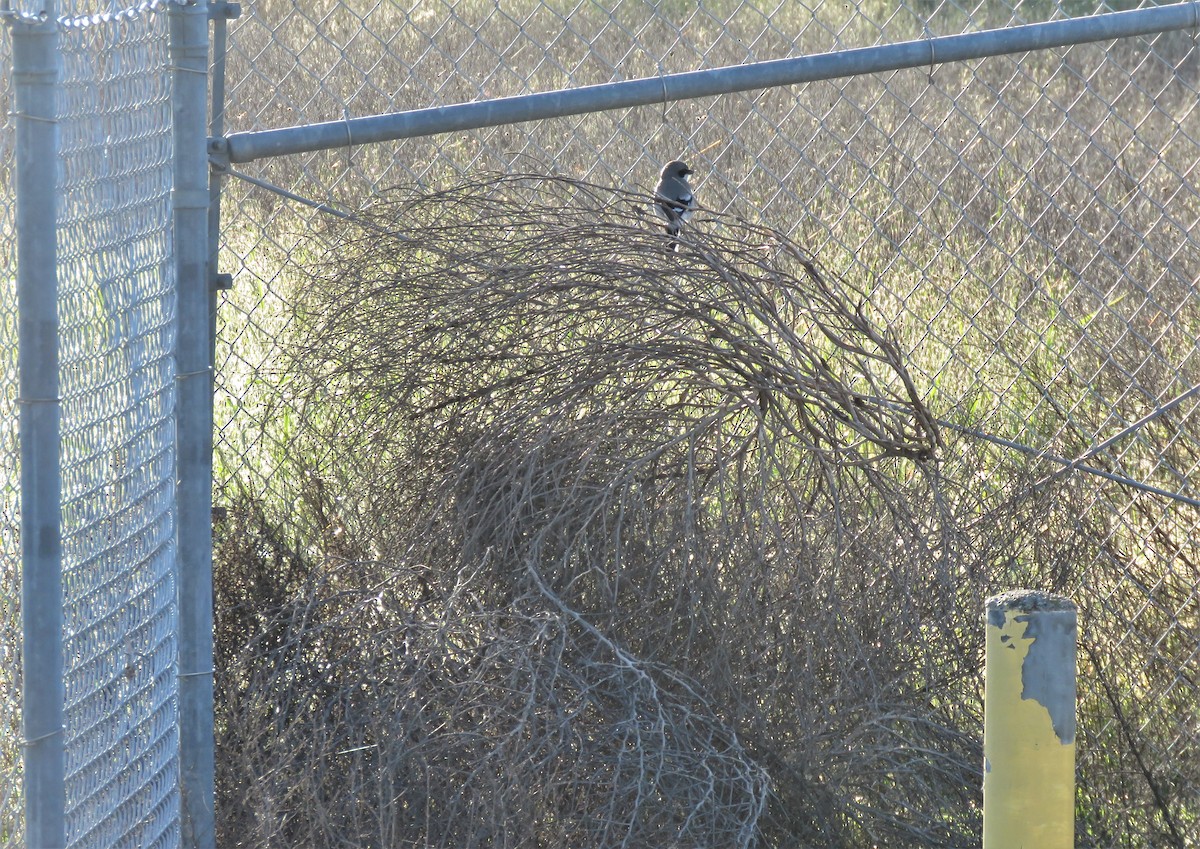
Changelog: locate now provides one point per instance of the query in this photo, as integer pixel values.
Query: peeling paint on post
(1029, 722)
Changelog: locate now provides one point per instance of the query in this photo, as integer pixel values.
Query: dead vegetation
(605, 545)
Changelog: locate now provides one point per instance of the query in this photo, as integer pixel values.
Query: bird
(675, 199)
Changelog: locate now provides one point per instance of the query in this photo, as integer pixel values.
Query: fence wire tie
(33, 741)
(182, 70)
(15, 18)
(662, 81)
(26, 116)
(30, 402)
(204, 674)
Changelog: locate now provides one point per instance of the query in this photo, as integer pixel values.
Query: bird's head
(677, 169)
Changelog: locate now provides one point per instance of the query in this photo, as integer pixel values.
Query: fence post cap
(1030, 600)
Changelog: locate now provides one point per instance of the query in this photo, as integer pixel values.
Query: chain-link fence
(117, 312)
(10, 563)
(116, 380)
(1026, 229)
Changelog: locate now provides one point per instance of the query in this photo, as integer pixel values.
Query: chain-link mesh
(11, 820)
(1026, 227)
(116, 312)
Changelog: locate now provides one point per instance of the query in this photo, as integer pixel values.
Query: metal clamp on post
(221, 10)
(218, 154)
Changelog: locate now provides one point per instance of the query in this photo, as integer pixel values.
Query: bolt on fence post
(1029, 722)
(35, 73)
(194, 411)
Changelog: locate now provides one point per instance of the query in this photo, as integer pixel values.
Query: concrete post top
(1030, 601)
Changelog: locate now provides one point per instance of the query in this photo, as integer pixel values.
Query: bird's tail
(672, 231)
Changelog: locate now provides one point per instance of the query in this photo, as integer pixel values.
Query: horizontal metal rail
(928, 52)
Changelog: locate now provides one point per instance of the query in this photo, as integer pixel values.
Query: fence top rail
(926, 52)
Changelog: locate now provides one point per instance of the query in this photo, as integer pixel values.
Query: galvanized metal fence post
(189, 61)
(35, 78)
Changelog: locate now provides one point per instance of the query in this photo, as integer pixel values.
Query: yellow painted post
(1029, 722)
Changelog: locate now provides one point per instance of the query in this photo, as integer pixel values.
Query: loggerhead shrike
(675, 199)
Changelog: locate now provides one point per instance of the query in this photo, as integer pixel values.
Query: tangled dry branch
(541, 295)
(620, 532)
(585, 542)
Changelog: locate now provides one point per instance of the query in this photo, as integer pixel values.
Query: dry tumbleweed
(600, 495)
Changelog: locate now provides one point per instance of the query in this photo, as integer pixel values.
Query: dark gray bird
(675, 199)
